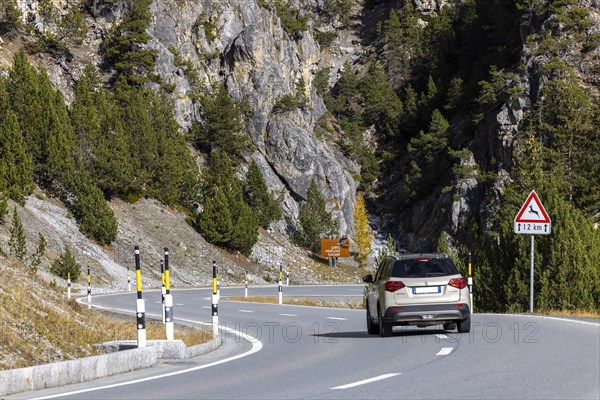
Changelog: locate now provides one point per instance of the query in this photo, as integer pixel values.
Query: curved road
(324, 353)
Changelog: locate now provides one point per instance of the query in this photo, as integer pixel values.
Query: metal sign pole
(531, 275)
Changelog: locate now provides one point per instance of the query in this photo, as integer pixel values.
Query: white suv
(417, 289)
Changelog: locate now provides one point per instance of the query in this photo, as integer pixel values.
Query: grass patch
(40, 326)
(303, 301)
(573, 313)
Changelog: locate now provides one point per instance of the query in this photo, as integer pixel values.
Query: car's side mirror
(368, 279)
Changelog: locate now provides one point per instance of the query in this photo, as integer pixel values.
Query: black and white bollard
(215, 301)
(140, 306)
(280, 284)
(470, 283)
(168, 299)
(246, 283)
(128, 280)
(89, 288)
(287, 278)
(163, 290)
(68, 285)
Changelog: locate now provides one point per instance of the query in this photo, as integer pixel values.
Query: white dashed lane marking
(288, 315)
(337, 318)
(445, 351)
(364, 382)
(246, 311)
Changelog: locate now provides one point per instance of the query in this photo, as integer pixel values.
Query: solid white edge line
(445, 351)
(256, 347)
(364, 382)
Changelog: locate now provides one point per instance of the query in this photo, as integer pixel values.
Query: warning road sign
(533, 219)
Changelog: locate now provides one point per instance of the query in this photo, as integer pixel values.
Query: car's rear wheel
(464, 326)
(372, 329)
(450, 326)
(385, 329)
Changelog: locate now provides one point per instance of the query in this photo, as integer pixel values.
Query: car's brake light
(392, 286)
(459, 283)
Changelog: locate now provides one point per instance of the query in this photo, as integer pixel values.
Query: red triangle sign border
(533, 197)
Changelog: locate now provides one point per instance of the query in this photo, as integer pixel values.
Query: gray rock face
(260, 63)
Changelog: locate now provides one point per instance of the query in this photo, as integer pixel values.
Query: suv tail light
(458, 283)
(392, 286)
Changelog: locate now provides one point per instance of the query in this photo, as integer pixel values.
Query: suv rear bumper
(427, 313)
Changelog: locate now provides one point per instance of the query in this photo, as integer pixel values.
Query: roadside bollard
(287, 278)
(140, 306)
(246, 282)
(68, 285)
(89, 288)
(128, 280)
(470, 283)
(168, 309)
(215, 301)
(162, 290)
(280, 283)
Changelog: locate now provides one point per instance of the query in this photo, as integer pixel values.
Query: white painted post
(89, 289)
(128, 280)
(246, 281)
(68, 285)
(163, 290)
(140, 306)
(215, 302)
(280, 284)
(287, 278)
(168, 308)
(470, 283)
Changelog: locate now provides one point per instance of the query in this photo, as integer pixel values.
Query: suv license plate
(427, 290)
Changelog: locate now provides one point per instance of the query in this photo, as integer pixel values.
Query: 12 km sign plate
(533, 219)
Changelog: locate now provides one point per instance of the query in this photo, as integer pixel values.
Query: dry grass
(40, 326)
(573, 313)
(303, 301)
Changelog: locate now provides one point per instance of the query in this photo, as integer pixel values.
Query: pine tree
(66, 265)
(17, 241)
(222, 128)
(3, 207)
(175, 173)
(96, 219)
(363, 234)
(382, 107)
(226, 220)
(125, 47)
(258, 197)
(16, 167)
(215, 222)
(36, 258)
(112, 166)
(315, 221)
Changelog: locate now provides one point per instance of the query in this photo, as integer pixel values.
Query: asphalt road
(325, 353)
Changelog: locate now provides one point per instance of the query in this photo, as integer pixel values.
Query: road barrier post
(215, 301)
(287, 278)
(246, 282)
(140, 306)
(128, 279)
(89, 288)
(168, 309)
(163, 291)
(280, 283)
(68, 285)
(470, 283)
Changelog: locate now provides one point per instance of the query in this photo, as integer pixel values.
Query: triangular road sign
(533, 210)
(532, 218)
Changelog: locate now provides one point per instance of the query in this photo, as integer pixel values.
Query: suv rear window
(424, 267)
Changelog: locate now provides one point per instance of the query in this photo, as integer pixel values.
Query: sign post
(532, 219)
